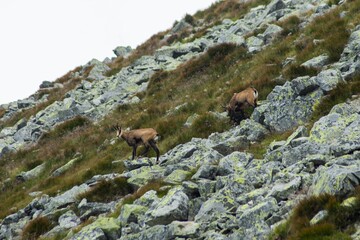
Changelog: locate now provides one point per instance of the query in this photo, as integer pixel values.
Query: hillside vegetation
(197, 89)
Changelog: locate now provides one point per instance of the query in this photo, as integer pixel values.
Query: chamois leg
(134, 152)
(146, 150)
(153, 145)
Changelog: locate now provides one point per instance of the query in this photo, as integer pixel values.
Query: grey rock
(255, 215)
(336, 180)
(130, 213)
(174, 206)
(155, 232)
(33, 173)
(234, 162)
(187, 229)
(149, 198)
(316, 62)
(319, 217)
(282, 191)
(339, 129)
(121, 51)
(46, 84)
(206, 171)
(61, 170)
(271, 32)
(328, 79)
(180, 26)
(69, 220)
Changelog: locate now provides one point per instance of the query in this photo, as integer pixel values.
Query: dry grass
(203, 84)
(336, 225)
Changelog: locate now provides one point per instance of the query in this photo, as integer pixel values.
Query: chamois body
(240, 101)
(144, 136)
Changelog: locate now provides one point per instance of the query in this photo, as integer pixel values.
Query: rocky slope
(213, 190)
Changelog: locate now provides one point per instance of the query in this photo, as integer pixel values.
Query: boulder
(130, 213)
(101, 229)
(188, 229)
(340, 129)
(336, 180)
(121, 51)
(33, 173)
(316, 62)
(174, 206)
(69, 220)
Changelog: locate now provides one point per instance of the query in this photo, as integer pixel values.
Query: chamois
(146, 136)
(241, 101)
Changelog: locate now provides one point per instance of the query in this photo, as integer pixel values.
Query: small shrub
(290, 25)
(189, 19)
(66, 127)
(107, 191)
(36, 227)
(340, 94)
(294, 71)
(2, 112)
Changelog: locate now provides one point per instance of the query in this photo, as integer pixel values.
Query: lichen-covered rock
(319, 217)
(286, 108)
(317, 62)
(149, 198)
(282, 191)
(155, 232)
(177, 176)
(174, 206)
(234, 162)
(61, 170)
(101, 229)
(69, 220)
(33, 173)
(141, 176)
(340, 129)
(206, 172)
(250, 216)
(130, 213)
(179, 229)
(336, 180)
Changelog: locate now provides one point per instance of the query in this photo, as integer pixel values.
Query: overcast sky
(44, 39)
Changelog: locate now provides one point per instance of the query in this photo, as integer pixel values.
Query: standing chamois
(144, 136)
(239, 102)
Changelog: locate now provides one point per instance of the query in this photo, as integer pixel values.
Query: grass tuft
(107, 191)
(36, 227)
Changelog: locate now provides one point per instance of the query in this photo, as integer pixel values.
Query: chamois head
(118, 131)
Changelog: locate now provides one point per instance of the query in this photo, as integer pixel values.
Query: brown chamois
(145, 136)
(240, 101)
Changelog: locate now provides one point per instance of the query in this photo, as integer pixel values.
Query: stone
(282, 191)
(130, 213)
(188, 229)
(319, 217)
(336, 180)
(69, 220)
(121, 51)
(317, 62)
(33, 173)
(177, 176)
(46, 84)
(174, 206)
(101, 229)
(205, 171)
(328, 79)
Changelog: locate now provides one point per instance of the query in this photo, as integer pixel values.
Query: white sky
(44, 39)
